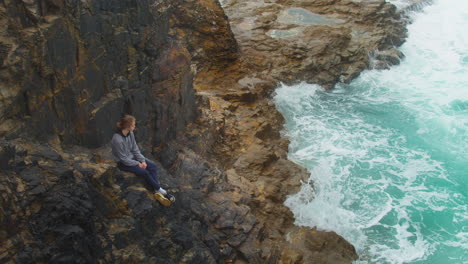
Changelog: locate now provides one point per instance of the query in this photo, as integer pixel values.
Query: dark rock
(226, 220)
(20, 165)
(7, 155)
(167, 154)
(33, 176)
(199, 173)
(212, 242)
(237, 239)
(77, 55)
(246, 223)
(184, 238)
(65, 216)
(251, 253)
(200, 210)
(198, 255)
(63, 173)
(37, 190)
(129, 179)
(164, 244)
(139, 202)
(25, 256)
(387, 58)
(21, 152)
(87, 172)
(47, 153)
(100, 127)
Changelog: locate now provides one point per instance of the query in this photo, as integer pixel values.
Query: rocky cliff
(201, 94)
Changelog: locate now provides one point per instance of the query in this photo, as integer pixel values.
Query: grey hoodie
(125, 149)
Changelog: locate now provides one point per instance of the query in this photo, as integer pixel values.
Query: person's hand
(144, 164)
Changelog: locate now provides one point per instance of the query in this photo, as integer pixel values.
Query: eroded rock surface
(201, 94)
(315, 41)
(321, 42)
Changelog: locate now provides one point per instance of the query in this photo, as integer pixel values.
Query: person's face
(132, 126)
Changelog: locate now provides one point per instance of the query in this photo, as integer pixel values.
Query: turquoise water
(388, 154)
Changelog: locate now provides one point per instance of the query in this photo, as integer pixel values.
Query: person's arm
(119, 152)
(135, 150)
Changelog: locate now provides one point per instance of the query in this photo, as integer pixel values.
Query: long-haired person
(129, 158)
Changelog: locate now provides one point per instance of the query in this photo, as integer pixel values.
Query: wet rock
(387, 58)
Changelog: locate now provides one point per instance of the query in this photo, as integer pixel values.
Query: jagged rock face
(69, 69)
(67, 206)
(210, 40)
(316, 41)
(72, 68)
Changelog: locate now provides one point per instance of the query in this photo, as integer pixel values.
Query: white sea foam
(374, 183)
(378, 150)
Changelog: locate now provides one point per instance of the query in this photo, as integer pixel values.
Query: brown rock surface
(318, 41)
(201, 94)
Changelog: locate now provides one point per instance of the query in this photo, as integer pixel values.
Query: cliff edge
(199, 85)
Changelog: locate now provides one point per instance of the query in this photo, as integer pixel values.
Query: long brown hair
(125, 122)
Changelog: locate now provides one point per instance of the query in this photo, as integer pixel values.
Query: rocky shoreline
(199, 78)
(239, 95)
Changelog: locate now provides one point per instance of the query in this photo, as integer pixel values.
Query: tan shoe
(163, 200)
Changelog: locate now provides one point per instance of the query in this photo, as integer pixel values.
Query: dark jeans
(150, 174)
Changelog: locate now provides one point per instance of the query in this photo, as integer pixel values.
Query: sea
(388, 153)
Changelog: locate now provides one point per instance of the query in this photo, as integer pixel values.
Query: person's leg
(140, 172)
(153, 171)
